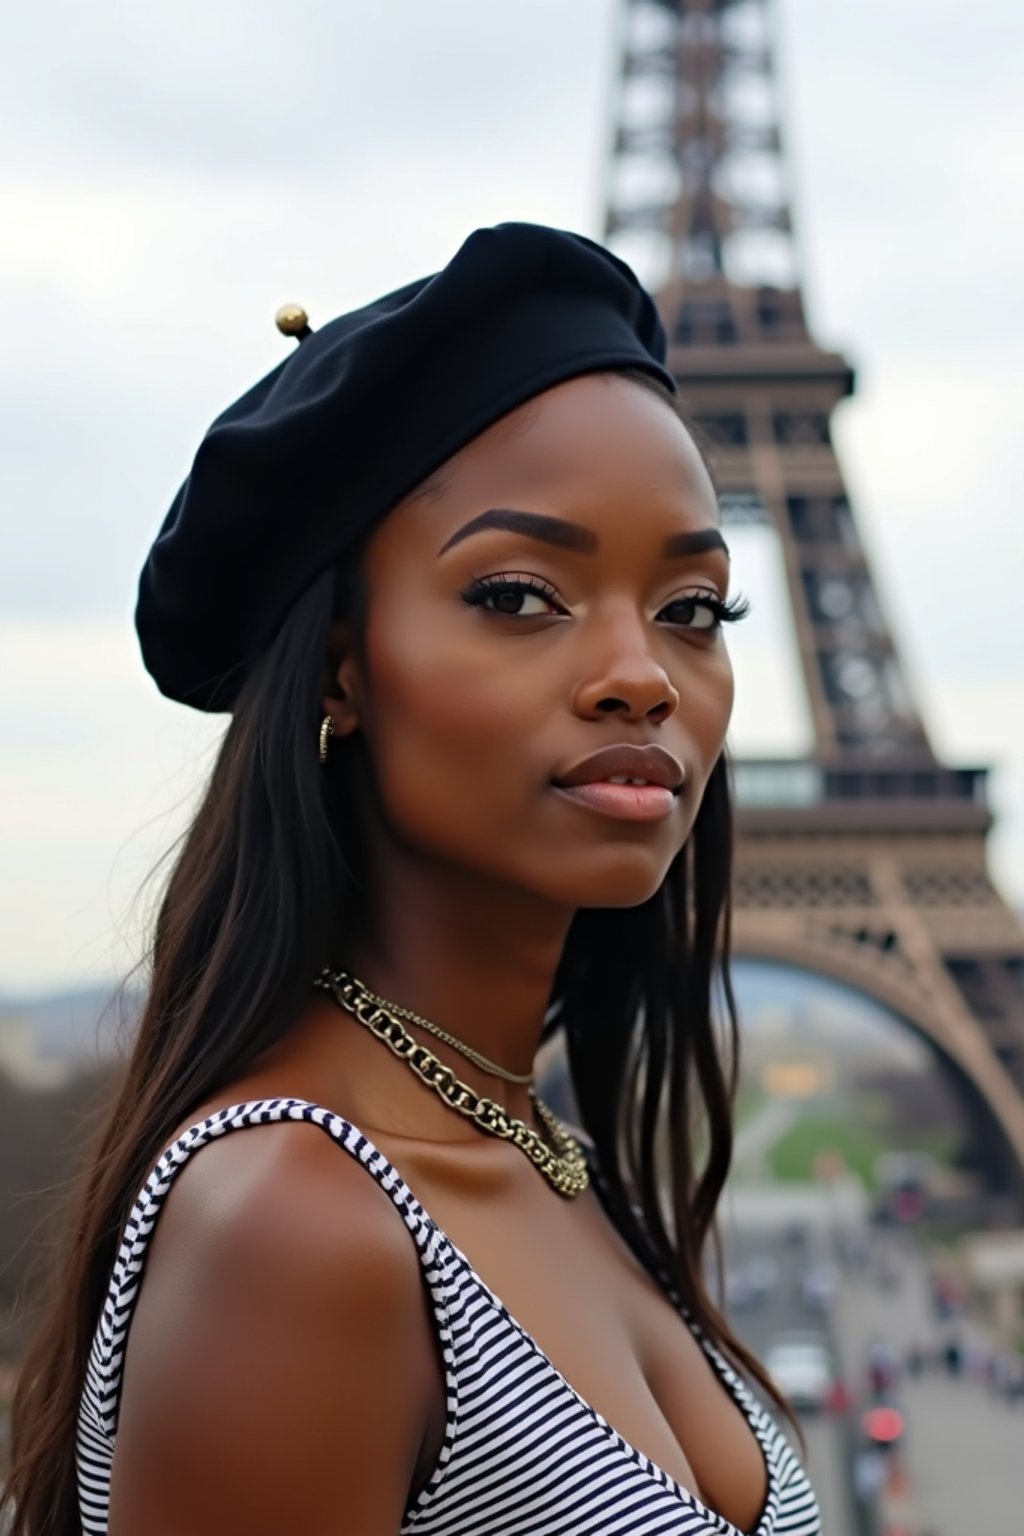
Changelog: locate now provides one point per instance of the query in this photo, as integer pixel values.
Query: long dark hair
(266, 885)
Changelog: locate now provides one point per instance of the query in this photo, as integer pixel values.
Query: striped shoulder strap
(107, 1358)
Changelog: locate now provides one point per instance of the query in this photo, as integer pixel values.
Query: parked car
(739, 1290)
(802, 1368)
(818, 1282)
(747, 1285)
(762, 1274)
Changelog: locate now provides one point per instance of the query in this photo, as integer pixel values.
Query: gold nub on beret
(292, 320)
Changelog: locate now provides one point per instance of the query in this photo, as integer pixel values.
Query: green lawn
(792, 1157)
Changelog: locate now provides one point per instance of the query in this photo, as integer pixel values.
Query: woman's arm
(282, 1372)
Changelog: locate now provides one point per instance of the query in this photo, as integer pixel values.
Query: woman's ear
(341, 688)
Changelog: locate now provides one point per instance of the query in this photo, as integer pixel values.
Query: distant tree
(44, 1135)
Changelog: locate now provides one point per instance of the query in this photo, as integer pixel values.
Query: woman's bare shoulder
(281, 1370)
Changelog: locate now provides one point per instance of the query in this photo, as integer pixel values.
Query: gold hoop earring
(326, 732)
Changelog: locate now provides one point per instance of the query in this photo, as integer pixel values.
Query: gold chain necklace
(483, 1062)
(565, 1167)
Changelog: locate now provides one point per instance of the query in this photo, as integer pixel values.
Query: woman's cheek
(705, 703)
(448, 748)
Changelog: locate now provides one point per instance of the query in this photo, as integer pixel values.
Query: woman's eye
(699, 611)
(511, 599)
(519, 601)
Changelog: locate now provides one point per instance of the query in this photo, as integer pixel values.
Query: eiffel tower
(864, 862)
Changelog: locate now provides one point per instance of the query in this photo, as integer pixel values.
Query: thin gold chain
(565, 1167)
(483, 1062)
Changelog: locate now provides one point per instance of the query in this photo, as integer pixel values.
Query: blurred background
(827, 200)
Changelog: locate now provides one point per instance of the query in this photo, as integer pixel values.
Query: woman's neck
(477, 961)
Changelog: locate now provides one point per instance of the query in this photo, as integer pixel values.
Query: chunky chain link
(565, 1168)
(483, 1062)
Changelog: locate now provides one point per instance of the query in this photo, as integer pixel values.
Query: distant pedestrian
(1015, 1379)
(883, 1368)
(869, 1467)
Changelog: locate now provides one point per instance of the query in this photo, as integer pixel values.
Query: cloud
(252, 91)
(97, 779)
(981, 723)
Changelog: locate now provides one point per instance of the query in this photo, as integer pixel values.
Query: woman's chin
(622, 881)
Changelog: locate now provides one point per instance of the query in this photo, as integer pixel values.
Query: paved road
(964, 1447)
(963, 1452)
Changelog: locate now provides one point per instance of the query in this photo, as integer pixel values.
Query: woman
(455, 568)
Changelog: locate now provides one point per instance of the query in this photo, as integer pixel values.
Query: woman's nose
(631, 683)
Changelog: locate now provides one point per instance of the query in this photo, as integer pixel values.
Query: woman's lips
(625, 802)
(625, 780)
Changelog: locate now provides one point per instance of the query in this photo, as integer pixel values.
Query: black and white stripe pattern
(523, 1454)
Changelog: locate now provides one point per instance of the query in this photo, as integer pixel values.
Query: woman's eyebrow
(700, 542)
(535, 525)
(566, 535)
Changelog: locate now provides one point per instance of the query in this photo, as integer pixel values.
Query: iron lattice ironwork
(866, 862)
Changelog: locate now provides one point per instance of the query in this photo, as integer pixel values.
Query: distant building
(798, 1079)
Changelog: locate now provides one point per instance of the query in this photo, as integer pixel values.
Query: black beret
(295, 472)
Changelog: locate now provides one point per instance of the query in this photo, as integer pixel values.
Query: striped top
(523, 1454)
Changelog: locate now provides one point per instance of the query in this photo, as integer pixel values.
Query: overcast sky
(172, 173)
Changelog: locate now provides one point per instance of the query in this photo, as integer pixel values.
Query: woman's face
(500, 652)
